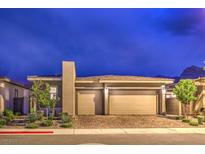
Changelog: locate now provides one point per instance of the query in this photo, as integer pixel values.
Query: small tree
(44, 97)
(41, 93)
(36, 90)
(185, 92)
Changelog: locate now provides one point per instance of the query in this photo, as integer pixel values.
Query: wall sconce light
(106, 90)
(2, 85)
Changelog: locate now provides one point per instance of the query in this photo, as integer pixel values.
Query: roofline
(37, 78)
(200, 78)
(139, 81)
(7, 80)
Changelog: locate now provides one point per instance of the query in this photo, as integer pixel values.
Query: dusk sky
(145, 42)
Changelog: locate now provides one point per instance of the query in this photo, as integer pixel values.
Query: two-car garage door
(91, 102)
(132, 102)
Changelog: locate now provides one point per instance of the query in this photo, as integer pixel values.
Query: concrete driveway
(119, 139)
(127, 121)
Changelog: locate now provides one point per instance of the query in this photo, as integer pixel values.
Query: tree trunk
(184, 110)
(53, 110)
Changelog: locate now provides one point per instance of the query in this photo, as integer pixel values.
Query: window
(53, 92)
(16, 94)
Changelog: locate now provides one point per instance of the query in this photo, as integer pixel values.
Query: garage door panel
(132, 102)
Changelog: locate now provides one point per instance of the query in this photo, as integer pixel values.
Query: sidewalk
(103, 131)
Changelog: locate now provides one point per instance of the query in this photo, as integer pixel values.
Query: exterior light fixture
(106, 90)
(2, 85)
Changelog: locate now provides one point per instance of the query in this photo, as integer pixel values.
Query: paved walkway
(111, 131)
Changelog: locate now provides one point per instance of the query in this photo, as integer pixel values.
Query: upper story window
(53, 92)
(16, 93)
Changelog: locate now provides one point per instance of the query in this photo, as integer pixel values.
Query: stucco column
(162, 100)
(68, 87)
(106, 101)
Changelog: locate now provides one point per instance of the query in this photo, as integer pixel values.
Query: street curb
(112, 131)
(25, 132)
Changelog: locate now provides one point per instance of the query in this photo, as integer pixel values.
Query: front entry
(89, 102)
(18, 105)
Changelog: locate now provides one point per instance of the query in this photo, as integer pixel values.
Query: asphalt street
(128, 139)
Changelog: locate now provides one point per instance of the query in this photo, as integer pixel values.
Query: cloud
(180, 21)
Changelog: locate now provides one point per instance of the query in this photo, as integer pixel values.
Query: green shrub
(17, 114)
(1, 114)
(179, 117)
(47, 123)
(200, 119)
(65, 118)
(185, 120)
(31, 118)
(50, 117)
(40, 115)
(7, 112)
(32, 125)
(9, 116)
(1, 126)
(67, 125)
(2, 122)
(194, 122)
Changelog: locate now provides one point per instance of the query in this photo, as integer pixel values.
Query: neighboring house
(103, 95)
(173, 106)
(13, 96)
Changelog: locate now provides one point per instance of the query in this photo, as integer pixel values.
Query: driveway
(138, 139)
(108, 121)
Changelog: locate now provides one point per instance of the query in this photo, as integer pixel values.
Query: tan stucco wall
(68, 87)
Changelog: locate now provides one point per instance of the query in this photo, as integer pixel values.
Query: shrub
(179, 117)
(47, 123)
(7, 112)
(200, 119)
(1, 126)
(9, 116)
(32, 125)
(40, 115)
(185, 120)
(2, 122)
(31, 118)
(50, 117)
(17, 114)
(67, 125)
(1, 114)
(65, 118)
(194, 122)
